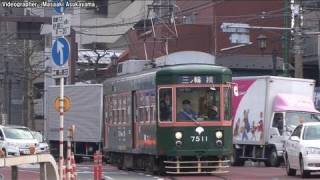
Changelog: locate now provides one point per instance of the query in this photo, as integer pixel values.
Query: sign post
(60, 54)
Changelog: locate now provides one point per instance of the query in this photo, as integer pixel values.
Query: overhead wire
(247, 17)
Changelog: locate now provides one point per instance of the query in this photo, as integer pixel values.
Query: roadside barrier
(74, 168)
(64, 170)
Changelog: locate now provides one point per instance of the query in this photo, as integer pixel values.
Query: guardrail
(48, 166)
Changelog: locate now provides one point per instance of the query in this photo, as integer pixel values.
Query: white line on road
(84, 172)
(108, 177)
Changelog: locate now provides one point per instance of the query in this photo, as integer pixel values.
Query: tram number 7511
(199, 139)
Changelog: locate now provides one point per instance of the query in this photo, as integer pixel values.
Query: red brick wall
(239, 11)
(190, 37)
(206, 35)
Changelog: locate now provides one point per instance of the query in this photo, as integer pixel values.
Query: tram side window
(165, 104)
(227, 103)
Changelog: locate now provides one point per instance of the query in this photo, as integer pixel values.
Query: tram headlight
(219, 134)
(178, 135)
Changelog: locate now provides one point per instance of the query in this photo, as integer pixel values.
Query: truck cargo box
(86, 112)
(253, 108)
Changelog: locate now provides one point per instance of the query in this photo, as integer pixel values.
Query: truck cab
(288, 112)
(266, 111)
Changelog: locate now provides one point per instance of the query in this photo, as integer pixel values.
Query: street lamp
(262, 43)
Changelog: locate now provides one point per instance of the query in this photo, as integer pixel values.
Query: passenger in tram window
(165, 111)
(213, 112)
(165, 105)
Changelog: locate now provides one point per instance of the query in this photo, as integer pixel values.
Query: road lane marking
(116, 173)
(108, 177)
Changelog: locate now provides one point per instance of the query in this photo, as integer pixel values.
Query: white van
(16, 140)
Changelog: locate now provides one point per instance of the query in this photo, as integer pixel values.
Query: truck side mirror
(288, 129)
(235, 90)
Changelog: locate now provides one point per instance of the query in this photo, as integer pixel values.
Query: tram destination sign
(196, 79)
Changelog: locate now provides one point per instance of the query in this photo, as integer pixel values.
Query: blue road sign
(60, 51)
(60, 9)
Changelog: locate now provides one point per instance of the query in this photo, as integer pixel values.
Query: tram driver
(187, 112)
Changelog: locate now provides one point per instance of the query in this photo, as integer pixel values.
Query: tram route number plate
(197, 139)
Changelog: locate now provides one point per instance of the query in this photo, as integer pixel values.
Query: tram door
(134, 118)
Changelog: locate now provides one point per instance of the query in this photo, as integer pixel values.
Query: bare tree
(94, 64)
(26, 51)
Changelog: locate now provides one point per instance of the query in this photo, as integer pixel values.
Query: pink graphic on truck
(246, 107)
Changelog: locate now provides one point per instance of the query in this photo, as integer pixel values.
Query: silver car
(43, 147)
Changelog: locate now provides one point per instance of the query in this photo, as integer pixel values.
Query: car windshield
(38, 136)
(17, 133)
(311, 132)
(293, 119)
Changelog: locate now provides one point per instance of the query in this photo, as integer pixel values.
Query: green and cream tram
(174, 119)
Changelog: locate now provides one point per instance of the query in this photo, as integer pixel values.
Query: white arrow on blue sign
(60, 51)
(60, 9)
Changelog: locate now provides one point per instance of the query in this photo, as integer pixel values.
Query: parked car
(16, 140)
(302, 149)
(43, 146)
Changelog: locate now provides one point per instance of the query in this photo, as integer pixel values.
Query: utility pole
(286, 38)
(9, 101)
(274, 62)
(5, 90)
(297, 47)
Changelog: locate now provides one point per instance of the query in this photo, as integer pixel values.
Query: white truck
(265, 112)
(86, 113)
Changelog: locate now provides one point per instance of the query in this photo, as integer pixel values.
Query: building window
(189, 19)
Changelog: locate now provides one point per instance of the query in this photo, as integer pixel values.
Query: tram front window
(198, 104)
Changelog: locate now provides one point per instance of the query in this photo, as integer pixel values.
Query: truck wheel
(120, 163)
(290, 172)
(235, 158)
(273, 160)
(304, 173)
